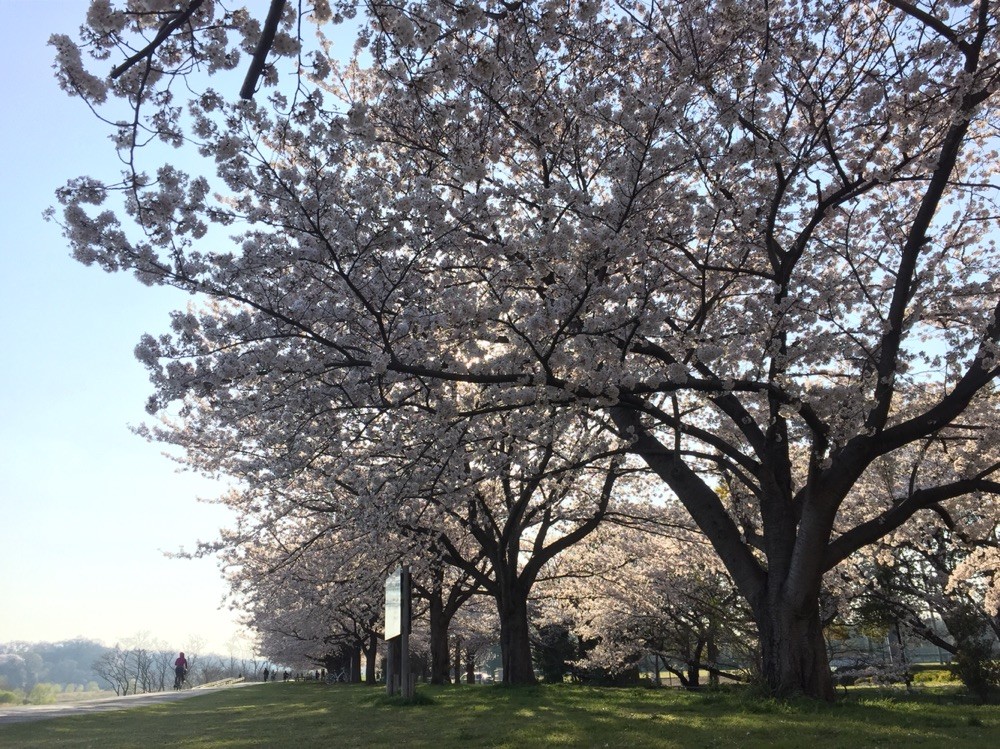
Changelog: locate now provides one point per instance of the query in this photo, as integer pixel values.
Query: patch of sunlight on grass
(557, 738)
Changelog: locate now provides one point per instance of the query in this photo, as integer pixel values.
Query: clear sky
(86, 508)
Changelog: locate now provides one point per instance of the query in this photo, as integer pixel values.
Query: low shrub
(933, 676)
(43, 694)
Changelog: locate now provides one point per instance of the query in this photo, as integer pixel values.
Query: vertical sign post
(397, 633)
(404, 651)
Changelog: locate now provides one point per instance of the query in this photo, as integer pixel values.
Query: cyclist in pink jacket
(180, 669)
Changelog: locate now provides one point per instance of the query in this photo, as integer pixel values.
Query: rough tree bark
(440, 655)
(515, 643)
(793, 651)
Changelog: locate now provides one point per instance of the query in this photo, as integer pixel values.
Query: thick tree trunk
(515, 645)
(693, 681)
(440, 657)
(793, 652)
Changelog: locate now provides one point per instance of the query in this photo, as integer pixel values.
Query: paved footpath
(24, 713)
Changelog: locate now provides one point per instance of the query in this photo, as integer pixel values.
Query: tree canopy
(755, 240)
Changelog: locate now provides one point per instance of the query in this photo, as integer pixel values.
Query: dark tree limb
(166, 30)
(922, 499)
(263, 47)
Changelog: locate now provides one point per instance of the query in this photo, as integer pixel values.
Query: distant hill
(23, 664)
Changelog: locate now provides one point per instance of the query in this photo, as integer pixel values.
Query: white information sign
(394, 605)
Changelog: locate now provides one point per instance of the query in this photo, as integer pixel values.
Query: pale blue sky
(86, 507)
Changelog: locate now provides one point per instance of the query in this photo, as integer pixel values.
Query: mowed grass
(303, 715)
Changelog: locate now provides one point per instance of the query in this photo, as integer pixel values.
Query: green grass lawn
(304, 715)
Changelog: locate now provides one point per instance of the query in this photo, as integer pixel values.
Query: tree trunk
(897, 653)
(440, 656)
(693, 681)
(515, 645)
(371, 660)
(713, 661)
(356, 664)
(458, 660)
(793, 652)
(694, 666)
(470, 667)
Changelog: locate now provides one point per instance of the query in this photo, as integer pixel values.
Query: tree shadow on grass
(303, 715)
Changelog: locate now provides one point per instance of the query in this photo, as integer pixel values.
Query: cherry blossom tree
(317, 625)
(753, 237)
(484, 507)
(656, 589)
(475, 635)
(311, 589)
(445, 591)
(495, 497)
(935, 580)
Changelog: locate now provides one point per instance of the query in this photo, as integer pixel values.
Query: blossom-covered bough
(320, 609)
(309, 571)
(936, 577)
(651, 590)
(757, 238)
(500, 497)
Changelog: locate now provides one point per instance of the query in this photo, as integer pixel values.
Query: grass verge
(304, 715)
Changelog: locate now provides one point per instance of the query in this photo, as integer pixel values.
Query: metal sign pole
(406, 683)
(390, 667)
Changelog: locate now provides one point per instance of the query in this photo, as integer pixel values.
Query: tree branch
(166, 30)
(866, 533)
(263, 47)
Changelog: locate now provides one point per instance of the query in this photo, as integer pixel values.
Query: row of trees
(137, 665)
(137, 669)
(23, 664)
(510, 271)
(640, 592)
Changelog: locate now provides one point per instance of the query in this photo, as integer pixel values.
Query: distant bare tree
(114, 668)
(194, 646)
(213, 668)
(239, 647)
(142, 662)
(163, 667)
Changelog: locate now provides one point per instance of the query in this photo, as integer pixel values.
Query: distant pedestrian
(266, 672)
